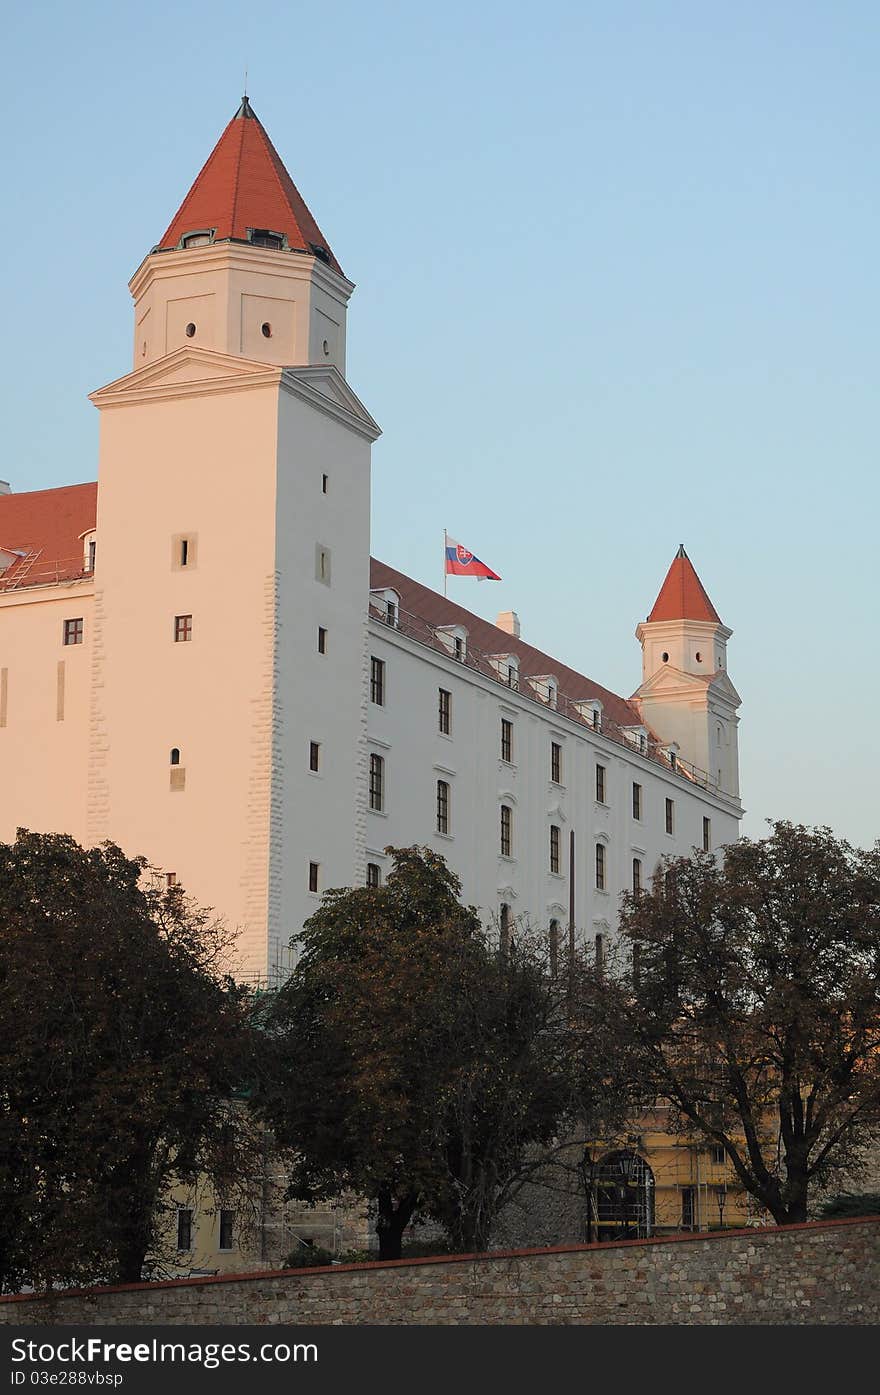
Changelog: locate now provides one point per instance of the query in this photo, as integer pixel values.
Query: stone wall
(822, 1272)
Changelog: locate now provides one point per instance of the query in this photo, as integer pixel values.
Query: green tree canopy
(414, 1064)
(121, 1046)
(753, 1002)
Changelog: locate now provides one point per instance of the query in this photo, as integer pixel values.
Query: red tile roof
(243, 184)
(436, 610)
(47, 526)
(682, 596)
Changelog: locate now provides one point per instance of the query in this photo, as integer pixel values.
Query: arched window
(624, 1196)
(175, 755)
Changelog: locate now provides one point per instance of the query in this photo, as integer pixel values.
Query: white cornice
(238, 256)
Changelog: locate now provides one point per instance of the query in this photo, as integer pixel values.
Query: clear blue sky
(617, 290)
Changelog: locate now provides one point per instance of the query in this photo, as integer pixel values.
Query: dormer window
(320, 252)
(591, 711)
(264, 237)
(386, 604)
(506, 666)
(546, 688)
(203, 237)
(89, 550)
(454, 638)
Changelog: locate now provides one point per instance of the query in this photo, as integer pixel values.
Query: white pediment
(721, 686)
(188, 366)
(669, 680)
(322, 383)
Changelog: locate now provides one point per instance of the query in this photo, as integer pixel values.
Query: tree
(753, 1001)
(412, 1063)
(121, 1047)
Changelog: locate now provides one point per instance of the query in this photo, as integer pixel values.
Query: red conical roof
(682, 596)
(244, 185)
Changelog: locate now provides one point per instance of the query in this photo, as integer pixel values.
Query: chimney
(509, 620)
(5, 487)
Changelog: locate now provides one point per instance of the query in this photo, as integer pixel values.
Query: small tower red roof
(242, 188)
(682, 596)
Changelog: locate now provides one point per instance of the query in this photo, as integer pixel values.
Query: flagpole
(445, 536)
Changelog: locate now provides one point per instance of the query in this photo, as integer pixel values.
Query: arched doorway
(623, 1196)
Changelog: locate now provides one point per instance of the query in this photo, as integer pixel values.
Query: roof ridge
(237, 183)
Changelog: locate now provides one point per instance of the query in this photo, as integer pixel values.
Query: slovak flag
(460, 562)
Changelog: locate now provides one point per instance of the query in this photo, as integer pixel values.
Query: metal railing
(36, 570)
(636, 742)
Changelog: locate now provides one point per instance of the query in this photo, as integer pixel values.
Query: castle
(200, 661)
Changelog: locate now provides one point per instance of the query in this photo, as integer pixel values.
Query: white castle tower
(685, 692)
(232, 560)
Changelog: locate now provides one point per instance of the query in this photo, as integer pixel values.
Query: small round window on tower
(698, 656)
(665, 658)
(190, 330)
(326, 349)
(266, 330)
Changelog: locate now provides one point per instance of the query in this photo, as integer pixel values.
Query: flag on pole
(460, 562)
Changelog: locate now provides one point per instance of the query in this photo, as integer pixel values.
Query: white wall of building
(405, 733)
(45, 688)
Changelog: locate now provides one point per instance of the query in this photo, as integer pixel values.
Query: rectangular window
(637, 876)
(93, 547)
(322, 564)
(377, 782)
(600, 784)
(707, 835)
(442, 806)
(313, 876)
(556, 762)
(73, 631)
(314, 755)
(377, 681)
(600, 952)
(227, 1229)
(506, 822)
(390, 612)
(184, 551)
(687, 1208)
(184, 1229)
(183, 628)
(374, 876)
(554, 848)
(445, 711)
(637, 801)
(322, 640)
(324, 481)
(670, 816)
(170, 880)
(600, 866)
(597, 719)
(719, 1154)
(506, 739)
(458, 648)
